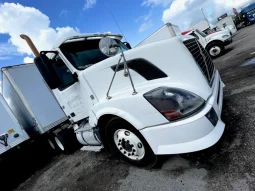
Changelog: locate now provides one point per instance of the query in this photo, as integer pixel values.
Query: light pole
(205, 17)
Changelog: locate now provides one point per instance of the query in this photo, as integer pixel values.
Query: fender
(213, 41)
(117, 112)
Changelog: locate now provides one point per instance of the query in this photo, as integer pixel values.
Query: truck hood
(169, 56)
(217, 35)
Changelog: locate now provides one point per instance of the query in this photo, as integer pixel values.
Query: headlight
(225, 36)
(174, 103)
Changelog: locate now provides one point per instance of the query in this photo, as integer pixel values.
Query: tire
(65, 140)
(215, 49)
(127, 143)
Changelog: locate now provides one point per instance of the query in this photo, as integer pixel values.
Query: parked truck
(12, 133)
(227, 23)
(248, 14)
(161, 98)
(166, 31)
(35, 107)
(214, 43)
(202, 26)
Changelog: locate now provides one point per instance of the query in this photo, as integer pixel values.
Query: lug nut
(127, 133)
(129, 154)
(120, 148)
(133, 154)
(119, 140)
(119, 144)
(134, 150)
(132, 145)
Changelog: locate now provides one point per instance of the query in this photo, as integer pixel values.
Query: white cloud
(7, 51)
(16, 19)
(28, 60)
(144, 17)
(89, 4)
(146, 25)
(62, 13)
(5, 57)
(156, 2)
(146, 22)
(186, 13)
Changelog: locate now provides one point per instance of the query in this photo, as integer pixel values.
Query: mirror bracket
(110, 47)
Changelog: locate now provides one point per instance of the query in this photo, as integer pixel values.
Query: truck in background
(203, 26)
(227, 23)
(35, 107)
(208, 29)
(12, 133)
(248, 14)
(214, 43)
(166, 31)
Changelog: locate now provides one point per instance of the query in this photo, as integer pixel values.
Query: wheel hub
(126, 145)
(214, 51)
(129, 144)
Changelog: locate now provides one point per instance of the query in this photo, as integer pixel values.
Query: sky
(46, 21)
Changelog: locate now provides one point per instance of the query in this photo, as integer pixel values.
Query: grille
(202, 58)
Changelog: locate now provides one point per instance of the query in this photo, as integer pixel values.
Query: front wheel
(126, 142)
(215, 49)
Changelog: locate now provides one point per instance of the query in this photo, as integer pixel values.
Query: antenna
(118, 25)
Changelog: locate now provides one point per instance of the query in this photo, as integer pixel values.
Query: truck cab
(138, 103)
(248, 14)
(214, 43)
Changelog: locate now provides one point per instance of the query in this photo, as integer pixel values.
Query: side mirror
(109, 46)
(127, 45)
(44, 65)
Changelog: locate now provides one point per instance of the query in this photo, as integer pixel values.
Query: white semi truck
(161, 98)
(214, 43)
(35, 108)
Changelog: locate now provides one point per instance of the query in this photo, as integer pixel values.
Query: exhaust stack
(30, 44)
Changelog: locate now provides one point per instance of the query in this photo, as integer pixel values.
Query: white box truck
(11, 132)
(167, 31)
(202, 26)
(34, 105)
(227, 23)
(164, 97)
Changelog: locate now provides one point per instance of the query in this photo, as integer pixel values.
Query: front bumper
(228, 41)
(192, 134)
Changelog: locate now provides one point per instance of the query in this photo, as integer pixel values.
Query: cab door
(71, 95)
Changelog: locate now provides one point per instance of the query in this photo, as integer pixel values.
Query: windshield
(83, 54)
(251, 12)
(201, 33)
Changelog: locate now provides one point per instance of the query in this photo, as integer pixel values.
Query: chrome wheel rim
(60, 145)
(215, 51)
(129, 144)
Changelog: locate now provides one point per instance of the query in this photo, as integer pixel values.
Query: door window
(63, 72)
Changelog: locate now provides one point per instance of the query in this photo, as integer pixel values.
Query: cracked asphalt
(228, 165)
